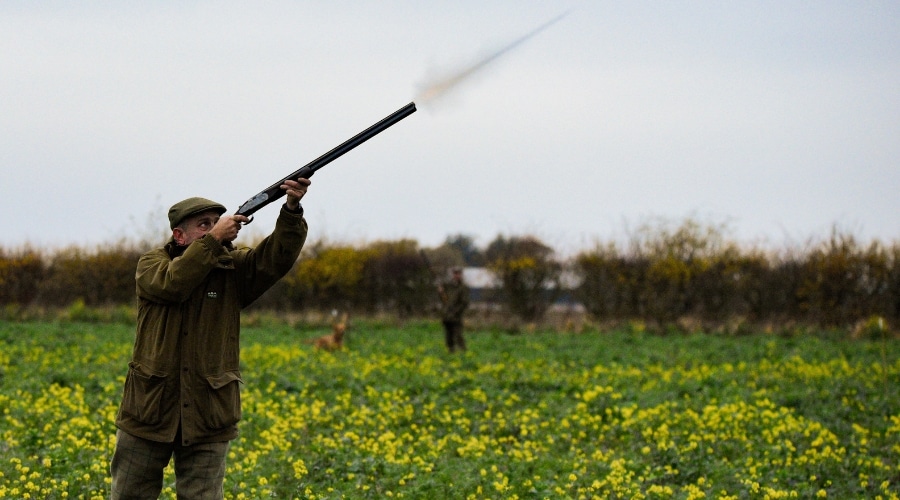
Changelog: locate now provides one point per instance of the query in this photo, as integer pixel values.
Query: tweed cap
(192, 206)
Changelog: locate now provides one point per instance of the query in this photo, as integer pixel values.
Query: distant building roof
(481, 277)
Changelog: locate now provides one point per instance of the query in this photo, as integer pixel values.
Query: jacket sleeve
(262, 266)
(160, 278)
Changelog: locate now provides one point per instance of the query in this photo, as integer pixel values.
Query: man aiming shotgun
(182, 390)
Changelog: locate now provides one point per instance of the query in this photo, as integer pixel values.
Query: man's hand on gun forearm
(295, 191)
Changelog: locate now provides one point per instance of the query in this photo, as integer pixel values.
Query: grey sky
(780, 117)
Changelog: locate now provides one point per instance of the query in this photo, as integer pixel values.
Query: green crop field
(538, 415)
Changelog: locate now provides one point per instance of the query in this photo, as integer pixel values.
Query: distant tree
(442, 258)
(21, 273)
(679, 256)
(892, 299)
(528, 273)
(395, 278)
(843, 282)
(97, 277)
(465, 245)
(326, 276)
(610, 281)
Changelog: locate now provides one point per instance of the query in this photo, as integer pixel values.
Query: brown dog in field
(334, 341)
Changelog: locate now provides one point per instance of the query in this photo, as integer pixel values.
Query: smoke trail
(439, 86)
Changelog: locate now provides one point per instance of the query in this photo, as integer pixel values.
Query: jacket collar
(173, 249)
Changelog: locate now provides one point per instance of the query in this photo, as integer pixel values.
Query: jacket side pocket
(224, 407)
(143, 394)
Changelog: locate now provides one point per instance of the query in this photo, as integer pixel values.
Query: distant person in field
(182, 390)
(455, 300)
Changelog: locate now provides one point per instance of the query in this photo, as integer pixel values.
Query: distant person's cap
(192, 206)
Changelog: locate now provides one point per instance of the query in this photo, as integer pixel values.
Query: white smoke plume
(439, 85)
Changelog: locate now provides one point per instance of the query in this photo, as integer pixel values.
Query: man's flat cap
(192, 206)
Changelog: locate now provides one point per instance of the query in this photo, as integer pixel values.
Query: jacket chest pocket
(216, 285)
(219, 294)
(214, 292)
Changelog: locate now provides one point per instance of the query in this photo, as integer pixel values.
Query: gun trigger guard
(248, 222)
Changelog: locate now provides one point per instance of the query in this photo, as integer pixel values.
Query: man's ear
(178, 235)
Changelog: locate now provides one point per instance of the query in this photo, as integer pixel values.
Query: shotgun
(275, 192)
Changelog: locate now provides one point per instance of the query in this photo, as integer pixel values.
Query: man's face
(194, 227)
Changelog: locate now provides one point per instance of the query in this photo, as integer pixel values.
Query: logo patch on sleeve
(212, 295)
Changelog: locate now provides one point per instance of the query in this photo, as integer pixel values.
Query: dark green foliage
(529, 275)
(667, 274)
(670, 275)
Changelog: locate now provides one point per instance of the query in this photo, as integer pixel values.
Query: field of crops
(542, 415)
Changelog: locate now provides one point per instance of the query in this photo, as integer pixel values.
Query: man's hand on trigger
(227, 227)
(295, 190)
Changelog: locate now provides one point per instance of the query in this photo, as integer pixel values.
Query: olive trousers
(137, 468)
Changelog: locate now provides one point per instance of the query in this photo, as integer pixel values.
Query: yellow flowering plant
(547, 415)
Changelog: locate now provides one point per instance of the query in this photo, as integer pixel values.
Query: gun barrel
(275, 192)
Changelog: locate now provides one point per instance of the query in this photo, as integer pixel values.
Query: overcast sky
(780, 118)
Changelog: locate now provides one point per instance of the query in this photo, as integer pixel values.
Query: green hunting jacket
(185, 366)
(457, 301)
